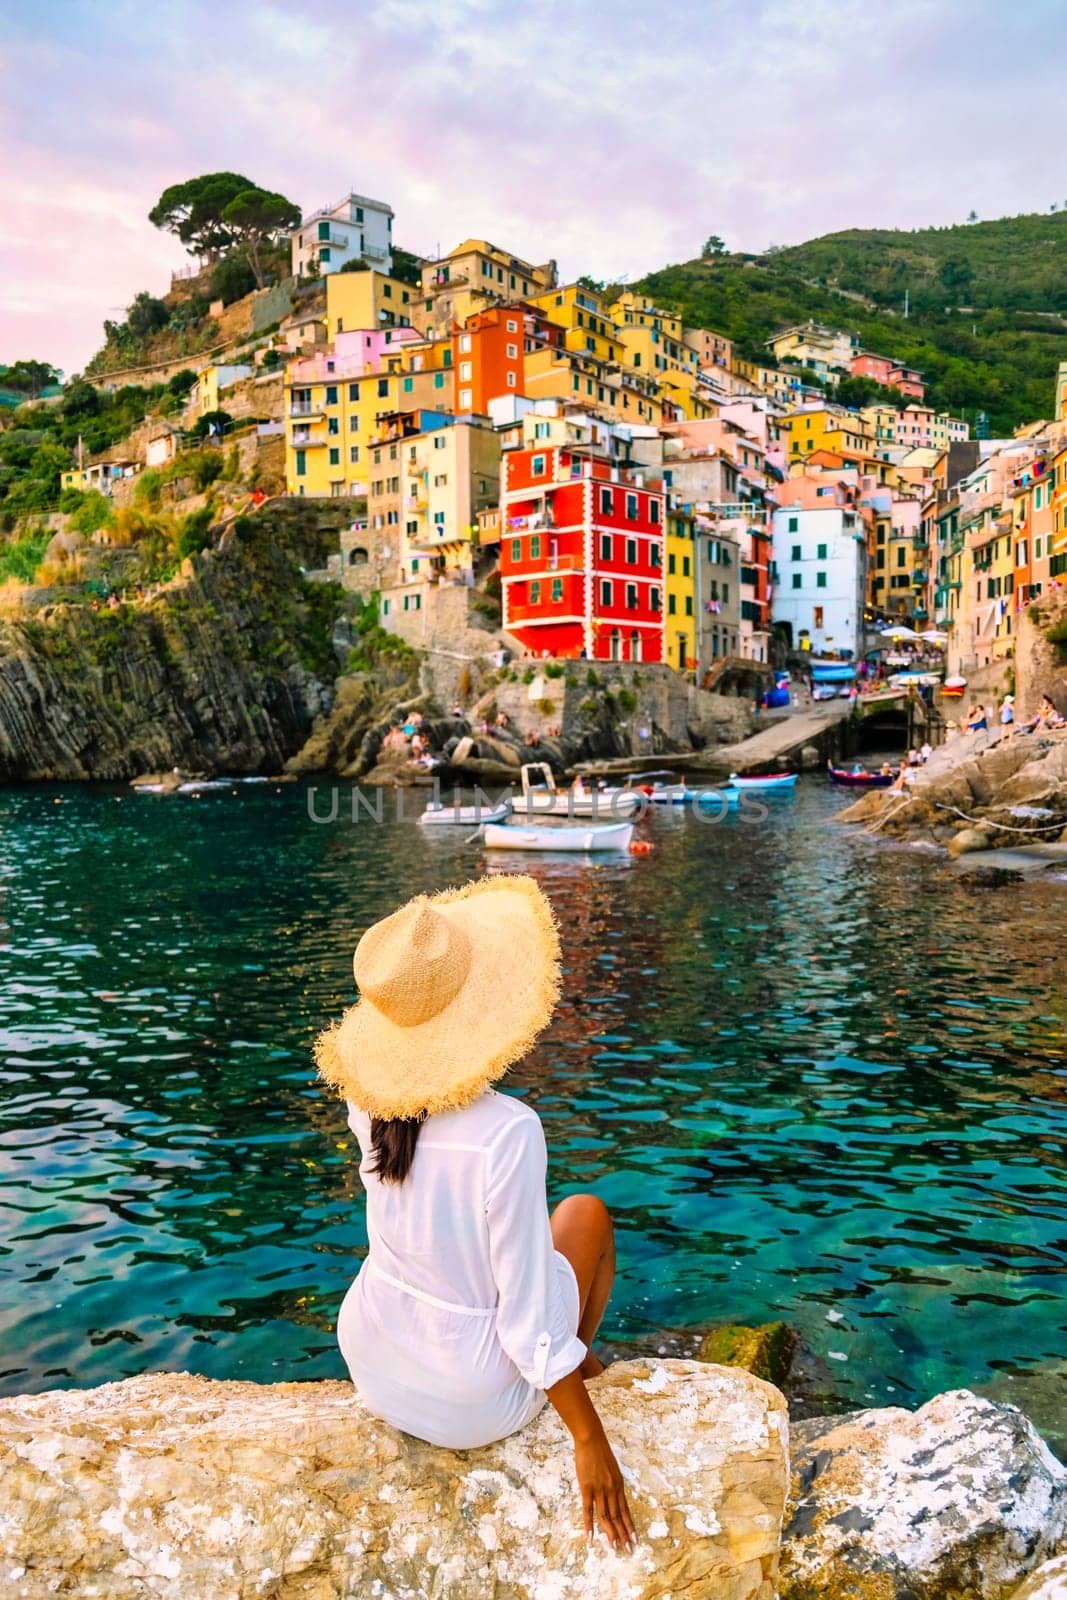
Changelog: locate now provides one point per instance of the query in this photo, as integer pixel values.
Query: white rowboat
(436, 816)
(607, 805)
(615, 836)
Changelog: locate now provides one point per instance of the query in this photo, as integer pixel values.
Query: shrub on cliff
(20, 558)
(94, 512)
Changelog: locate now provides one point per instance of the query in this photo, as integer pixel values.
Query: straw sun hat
(454, 987)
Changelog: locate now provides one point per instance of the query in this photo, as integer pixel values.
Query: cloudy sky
(613, 137)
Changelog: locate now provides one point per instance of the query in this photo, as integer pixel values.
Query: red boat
(859, 780)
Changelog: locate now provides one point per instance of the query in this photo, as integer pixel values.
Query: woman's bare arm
(599, 1477)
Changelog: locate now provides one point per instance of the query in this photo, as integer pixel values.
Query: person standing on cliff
(473, 1306)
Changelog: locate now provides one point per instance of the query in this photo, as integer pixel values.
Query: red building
(581, 555)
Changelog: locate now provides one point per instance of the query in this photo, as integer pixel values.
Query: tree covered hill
(1011, 264)
(987, 322)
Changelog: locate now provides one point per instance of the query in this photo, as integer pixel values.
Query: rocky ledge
(171, 1485)
(1005, 792)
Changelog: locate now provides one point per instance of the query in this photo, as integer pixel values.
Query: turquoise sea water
(813, 1078)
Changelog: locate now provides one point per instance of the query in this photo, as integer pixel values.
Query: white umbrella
(899, 632)
(935, 636)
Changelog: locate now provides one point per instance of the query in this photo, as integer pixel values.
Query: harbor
(775, 1106)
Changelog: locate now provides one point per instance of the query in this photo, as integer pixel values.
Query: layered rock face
(169, 1485)
(223, 670)
(958, 1499)
(1015, 783)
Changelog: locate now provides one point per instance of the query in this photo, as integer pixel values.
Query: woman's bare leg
(582, 1231)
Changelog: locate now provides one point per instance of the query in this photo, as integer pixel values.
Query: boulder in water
(960, 1498)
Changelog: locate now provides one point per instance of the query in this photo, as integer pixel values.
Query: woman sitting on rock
(473, 1304)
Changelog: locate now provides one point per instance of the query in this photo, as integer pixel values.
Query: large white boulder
(1049, 1582)
(959, 1500)
(170, 1485)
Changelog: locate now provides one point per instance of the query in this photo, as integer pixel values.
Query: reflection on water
(811, 1078)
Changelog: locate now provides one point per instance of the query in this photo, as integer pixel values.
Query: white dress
(463, 1312)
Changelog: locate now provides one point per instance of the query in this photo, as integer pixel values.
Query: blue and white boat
(767, 783)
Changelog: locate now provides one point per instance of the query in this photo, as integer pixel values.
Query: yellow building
(208, 393)
(1058, 470)
(811, 344)
(449, 473)
(652, 342)
(472, 276)
(827, 428)
(780, 384)
(992, 552)
(332, 413)
(681, 622)
(881, 423)
(584, 317)
(615, 393)
(366, 300)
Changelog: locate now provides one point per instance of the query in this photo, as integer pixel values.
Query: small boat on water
(439, 816)
(541, 798)
(681, 794)
(513, 836)
(853, 778)
(722, 799)
(768, 783)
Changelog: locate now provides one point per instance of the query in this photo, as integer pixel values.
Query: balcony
(303, 440)
(305, 408)
(919, 576)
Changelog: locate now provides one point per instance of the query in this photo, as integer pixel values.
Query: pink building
(884, 370)
(354, 353)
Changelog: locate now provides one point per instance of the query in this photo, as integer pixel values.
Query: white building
(355, 229)
(821, 558)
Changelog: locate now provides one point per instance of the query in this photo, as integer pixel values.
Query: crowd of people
(409, 741)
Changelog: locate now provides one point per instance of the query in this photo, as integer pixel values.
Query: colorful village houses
(582, 547)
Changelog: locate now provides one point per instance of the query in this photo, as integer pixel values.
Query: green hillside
(987, 302)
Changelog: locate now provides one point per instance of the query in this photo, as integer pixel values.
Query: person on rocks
(473, 1305)
(1007, 713)
(1046, 716)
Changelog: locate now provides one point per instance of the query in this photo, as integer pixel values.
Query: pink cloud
(613, 140)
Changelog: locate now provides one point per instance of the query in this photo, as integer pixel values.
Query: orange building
(488, 351)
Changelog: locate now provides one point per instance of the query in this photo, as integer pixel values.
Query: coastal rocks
(959, 1498)
(348, 738)
(969, 840)
(1049, 1582)
(984, 877)
(223, 668)
(767, 1351)
(1018, 783)
(172, 1485)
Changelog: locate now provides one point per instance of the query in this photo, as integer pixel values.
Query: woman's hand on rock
(603, 1493)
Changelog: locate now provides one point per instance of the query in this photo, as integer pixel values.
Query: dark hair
(393, 1143)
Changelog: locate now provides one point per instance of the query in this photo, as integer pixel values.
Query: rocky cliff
(224, 668)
